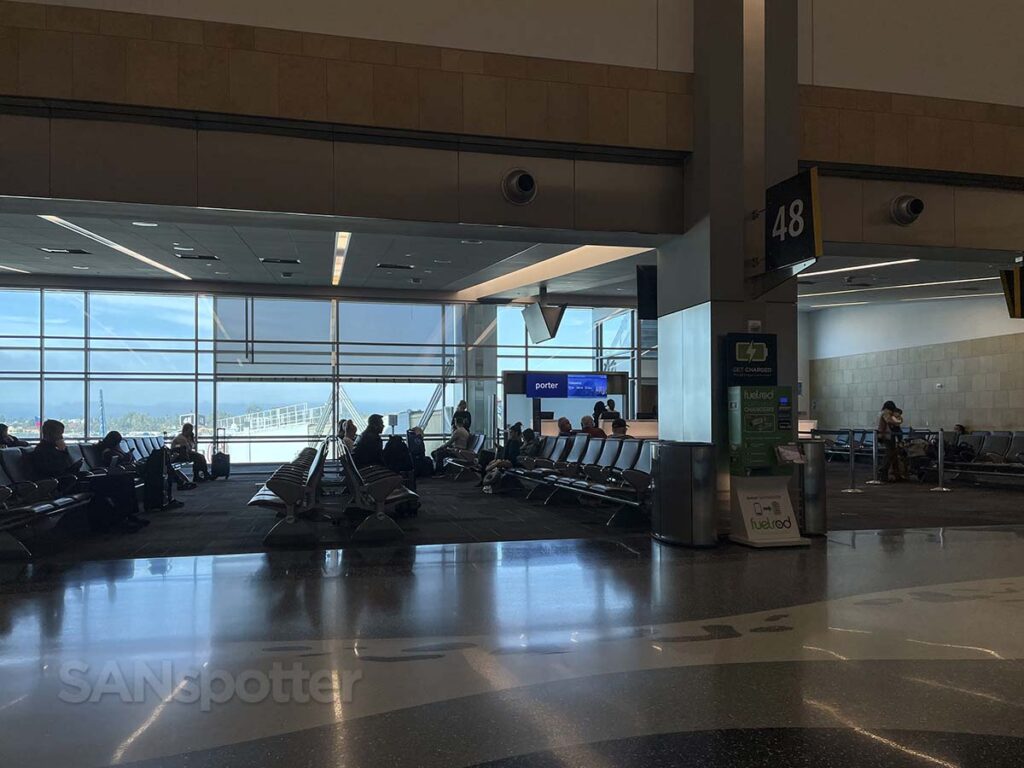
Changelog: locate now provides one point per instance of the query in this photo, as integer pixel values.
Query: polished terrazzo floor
(870, 648)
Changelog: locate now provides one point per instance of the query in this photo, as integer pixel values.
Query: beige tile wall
(93, 55)
(872, 128)
(978, 383)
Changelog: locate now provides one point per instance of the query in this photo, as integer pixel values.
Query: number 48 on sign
(792, 222)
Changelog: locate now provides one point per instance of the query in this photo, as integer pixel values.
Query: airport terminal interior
(511, 385)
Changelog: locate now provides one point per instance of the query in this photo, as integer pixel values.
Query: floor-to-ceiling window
(264, 376)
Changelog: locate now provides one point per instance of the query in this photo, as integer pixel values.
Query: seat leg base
(377, 527)
(626, 517)
(11, 549)
(292, 532)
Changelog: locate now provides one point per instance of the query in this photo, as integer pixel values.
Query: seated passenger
(114, 500)
(368, 449)
(183, 448)
(564, 426)
(417, 448)
(587, 426)
(495, 470)
(50, 457)
(619, 429)
(111, 454)
(531, 445)
(459, 441)
(347, 433)
(7, 440)
(610, 414)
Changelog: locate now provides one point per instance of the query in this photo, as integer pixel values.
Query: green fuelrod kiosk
(760, 420)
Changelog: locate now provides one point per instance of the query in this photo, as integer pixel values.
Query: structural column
(746, 138)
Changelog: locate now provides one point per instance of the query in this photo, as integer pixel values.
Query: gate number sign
(792, 221)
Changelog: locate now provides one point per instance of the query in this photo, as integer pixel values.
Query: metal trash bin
(813, 513)
(683, 493)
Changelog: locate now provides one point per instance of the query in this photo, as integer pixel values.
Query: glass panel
(148, 363)
(404, 401)
(206, 306)
(142, 315)
(21, 313)
(139, 407)
(65, 401)
(390, 323)
(279, 319)
(19, 407)
(511, 326)
(64, 313)
(64, 361)
(617, 331)
(19, 360)
(270, 421)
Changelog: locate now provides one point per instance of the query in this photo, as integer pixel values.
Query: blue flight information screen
(587, 385)
(592, 385)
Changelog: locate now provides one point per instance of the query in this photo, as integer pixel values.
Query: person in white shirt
(459, 441)
(183, 448)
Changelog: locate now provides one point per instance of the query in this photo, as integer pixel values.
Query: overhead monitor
(588, 385)
(542, 321)
(561, 385)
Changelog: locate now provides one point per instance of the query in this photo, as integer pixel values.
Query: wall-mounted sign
(751, 359)
(792, 224)
(584, 385)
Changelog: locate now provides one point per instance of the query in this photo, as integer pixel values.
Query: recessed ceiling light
(840, 304)
(74, 251)
(442, 261)
(472, 242)
(958, 296)
(197, 256)
(221, 273)
(281, 261)
(15, 269)
(385, 265)
(182, 248)
(896, 287)
(77, 266)
(341, 241)
(111, 244)
(428, 271)
(856, 269)
(144, 224)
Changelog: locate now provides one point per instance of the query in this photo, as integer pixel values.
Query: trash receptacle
(813, 489)
(683, 483)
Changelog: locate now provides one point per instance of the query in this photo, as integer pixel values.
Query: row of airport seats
(379, 491)
(28, 507)
(615, 470)
(468, 459)
(294, 488)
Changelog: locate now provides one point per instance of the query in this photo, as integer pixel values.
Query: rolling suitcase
(220, 466)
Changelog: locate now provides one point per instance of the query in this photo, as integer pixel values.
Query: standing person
(368, 449)
(599, 411)
(183, 448)
(587, 425)
(887, 421)
(7, 440)
(463, 415)
(610, 413)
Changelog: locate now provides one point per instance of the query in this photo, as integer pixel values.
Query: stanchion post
(874, 460)
(853, 469)
(941, 487)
